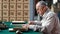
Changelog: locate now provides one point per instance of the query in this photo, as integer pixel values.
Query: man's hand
(25, 26)
(31, 23)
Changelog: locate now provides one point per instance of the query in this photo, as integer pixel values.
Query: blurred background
(24, 10)
(54, 5)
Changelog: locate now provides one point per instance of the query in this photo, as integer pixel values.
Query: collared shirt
(50, 23)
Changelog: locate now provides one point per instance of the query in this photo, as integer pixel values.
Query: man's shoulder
(51, 13)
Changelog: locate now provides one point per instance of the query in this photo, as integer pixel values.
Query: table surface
(7, 31)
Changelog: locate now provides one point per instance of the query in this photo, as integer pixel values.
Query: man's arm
(35, 23)
(48, 25)
(34, 27)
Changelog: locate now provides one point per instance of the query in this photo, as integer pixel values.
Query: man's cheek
(40, 12)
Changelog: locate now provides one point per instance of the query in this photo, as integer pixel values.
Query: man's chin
(40, 14)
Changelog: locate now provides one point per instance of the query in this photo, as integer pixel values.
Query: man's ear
(44, 8)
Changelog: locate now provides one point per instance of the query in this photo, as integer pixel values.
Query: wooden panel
(19, 6)
(5, 6)
(12, 6)
(12, 1)
(5, 13)
(5, 19)
(26, 19)
(26, 6)
(13, 19)
(0, 1)
(0, 18)
(26, 1)
(19, 19)
(0, 13)
(19, 13)
(5, 1)
(19, 1)
(0, 6)
(26, 13)
(12, 13)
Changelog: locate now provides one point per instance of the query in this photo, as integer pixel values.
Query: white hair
(41, 3)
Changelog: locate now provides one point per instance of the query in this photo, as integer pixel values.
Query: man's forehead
(38, 4)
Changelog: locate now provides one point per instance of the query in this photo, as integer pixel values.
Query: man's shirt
(49, 24)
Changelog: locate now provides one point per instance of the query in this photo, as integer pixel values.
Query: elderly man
(49, 23)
